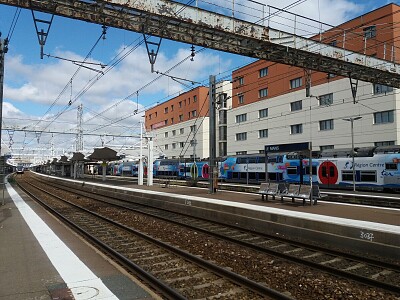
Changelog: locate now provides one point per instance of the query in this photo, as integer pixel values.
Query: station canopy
(103, 154)
(78, 157)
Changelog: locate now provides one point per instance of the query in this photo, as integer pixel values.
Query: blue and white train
(376, 168)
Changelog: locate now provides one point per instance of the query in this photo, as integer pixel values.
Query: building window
(241, 80)
(241, 99)
(194, 98)
(166, 122)
(333, 43)
(262, 93)
(263, 113)
(326, 99)
(180, 103)
(384, 117)
(181, 144)
(165, 110)
(370, 32)
(241, 152)
(193, 128)
(385, 143)
(326, 147)
(182, 131)
(194, 113)
(296, 129)
(326, 125)
(173, 145)
(150, 117)
(166, 134)
(297, 105)
(382, 89)
(263, 72)
(166, 147)
(295, 83)
(263, 133)
(172, 108)
(173, 132)
(172, 120)
(241, 136)
(181, 117)
(241, 118)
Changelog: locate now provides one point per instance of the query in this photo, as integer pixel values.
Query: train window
(323, 173)
(332, 171)
(261, 176)
(272, 159)
(347, 175)
(235, 175)
(307, 170)
(261, 160)
(390, 166)
(291, 170)
(252, 175)
(243, 175)
(252, 160)
(368, 176)
(272, 176)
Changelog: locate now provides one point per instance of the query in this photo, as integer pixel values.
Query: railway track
(372, 273)
(173, 272)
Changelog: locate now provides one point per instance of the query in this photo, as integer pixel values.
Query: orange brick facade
(373, 34)
(187, 106)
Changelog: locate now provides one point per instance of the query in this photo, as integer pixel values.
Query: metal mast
(3, 51)
(79, 134)
(213, 153)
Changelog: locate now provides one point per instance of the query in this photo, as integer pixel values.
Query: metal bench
(166, 180)
(317, 194)
(269, 189)
(297, 191)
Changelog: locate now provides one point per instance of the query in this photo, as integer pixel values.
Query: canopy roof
(104, 154)
(78, 157)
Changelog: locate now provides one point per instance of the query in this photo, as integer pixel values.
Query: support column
(3, 51)
(212, 147)
(140, 174)
(150, 162)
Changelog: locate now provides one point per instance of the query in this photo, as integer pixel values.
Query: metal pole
(3, 51)
(140, 179)
(212, 146)
(352, 153)
(351, 120)
(150, 162)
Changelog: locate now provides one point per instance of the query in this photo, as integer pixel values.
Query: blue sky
(33, 86)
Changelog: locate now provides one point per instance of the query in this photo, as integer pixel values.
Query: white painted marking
(73, 271)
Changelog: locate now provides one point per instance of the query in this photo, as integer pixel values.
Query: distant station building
(270, 103)
(180, 126)
(275, 103)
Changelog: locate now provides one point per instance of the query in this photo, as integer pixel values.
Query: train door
(328, 173)
(205, 171)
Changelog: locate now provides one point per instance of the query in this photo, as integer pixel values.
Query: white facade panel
(283, 123)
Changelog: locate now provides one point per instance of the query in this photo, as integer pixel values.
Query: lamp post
(351, 120)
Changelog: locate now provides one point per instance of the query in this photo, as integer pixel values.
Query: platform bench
(268, 189)
(166, 180)
(297, 191)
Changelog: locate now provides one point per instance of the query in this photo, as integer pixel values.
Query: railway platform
(358, 228)
(40, 258)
